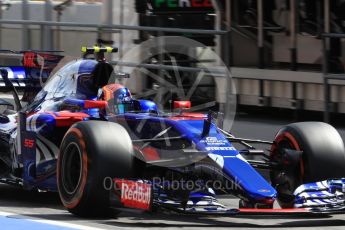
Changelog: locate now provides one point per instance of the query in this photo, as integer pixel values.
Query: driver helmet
(119, 98)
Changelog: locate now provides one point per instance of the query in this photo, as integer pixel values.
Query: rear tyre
(323, 157)
(92, 153)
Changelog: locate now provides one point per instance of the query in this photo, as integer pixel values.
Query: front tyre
(91, 153)
(322, 157)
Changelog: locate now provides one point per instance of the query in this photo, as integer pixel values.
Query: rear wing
(34, 69)
(41, 60)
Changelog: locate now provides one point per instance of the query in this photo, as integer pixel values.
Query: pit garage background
(275, 46)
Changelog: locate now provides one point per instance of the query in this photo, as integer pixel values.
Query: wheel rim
(291, 177)
(71, 168)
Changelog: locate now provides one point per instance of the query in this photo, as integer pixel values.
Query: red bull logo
(135, 194)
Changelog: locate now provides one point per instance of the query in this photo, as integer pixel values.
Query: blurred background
(283, 54)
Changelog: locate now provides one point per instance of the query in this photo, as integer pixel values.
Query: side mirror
(183, 105)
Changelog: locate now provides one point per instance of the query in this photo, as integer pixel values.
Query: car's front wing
(140, 195)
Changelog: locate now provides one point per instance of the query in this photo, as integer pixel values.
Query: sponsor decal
(214, 141)
(215, 144)
(134, 194)
(211, 139)
(220, 148)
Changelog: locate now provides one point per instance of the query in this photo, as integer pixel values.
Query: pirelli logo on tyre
(134, 194)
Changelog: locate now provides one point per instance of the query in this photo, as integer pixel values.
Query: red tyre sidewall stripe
(72, 204)
(286, 135)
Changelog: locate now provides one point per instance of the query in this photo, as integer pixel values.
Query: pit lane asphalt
(46, 206)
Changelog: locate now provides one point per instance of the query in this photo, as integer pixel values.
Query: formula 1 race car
(104, 150)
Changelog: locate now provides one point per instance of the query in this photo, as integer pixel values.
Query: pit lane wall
(295, 90)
